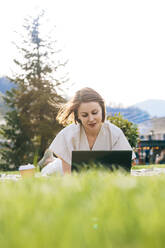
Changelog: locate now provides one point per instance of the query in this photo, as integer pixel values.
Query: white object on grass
(26, 167)
(53, 168)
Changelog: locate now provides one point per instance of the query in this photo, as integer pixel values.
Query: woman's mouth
(92, 124)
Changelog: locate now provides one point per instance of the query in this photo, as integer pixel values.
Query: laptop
(118, 159)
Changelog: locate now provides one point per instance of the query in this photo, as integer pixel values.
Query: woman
(90, 131)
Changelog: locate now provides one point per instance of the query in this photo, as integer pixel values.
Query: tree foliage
(31, 123)
(129, 129)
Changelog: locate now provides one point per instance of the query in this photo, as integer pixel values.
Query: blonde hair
(68, 113)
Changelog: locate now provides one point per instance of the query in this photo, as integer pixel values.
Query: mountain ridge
(152, 107)
(155, 107)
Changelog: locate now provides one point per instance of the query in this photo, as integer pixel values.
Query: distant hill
(132, 114)
(5, 85)
(154, 127)
(156, 108)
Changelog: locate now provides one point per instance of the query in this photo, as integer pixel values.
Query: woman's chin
(95, 127)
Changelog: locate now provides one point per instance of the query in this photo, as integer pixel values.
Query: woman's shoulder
(112, 127)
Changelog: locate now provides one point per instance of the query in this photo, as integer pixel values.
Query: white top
(27, 167)
(73, 137)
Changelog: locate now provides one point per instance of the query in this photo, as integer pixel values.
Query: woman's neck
(94, 133)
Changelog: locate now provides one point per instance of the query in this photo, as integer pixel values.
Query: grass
(137, 167)
(90, 209)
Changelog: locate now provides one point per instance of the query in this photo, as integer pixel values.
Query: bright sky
(116, 47)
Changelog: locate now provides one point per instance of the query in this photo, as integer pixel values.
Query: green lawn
(90, 209)
(137, 167)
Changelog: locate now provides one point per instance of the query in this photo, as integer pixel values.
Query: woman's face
(90, 114)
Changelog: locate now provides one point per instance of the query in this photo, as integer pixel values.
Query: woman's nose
(90, 118)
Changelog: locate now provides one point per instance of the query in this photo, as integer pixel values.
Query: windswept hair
(68, 112)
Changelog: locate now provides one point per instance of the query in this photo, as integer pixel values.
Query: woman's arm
(66, 167)
(133, 162)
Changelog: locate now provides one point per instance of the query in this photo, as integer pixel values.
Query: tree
(31, 123)
(129, 129)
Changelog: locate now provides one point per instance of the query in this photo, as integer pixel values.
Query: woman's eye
(94, 113)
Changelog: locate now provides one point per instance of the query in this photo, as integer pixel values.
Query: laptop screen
(108, 159)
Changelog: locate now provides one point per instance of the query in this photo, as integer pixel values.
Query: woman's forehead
(88, 106)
